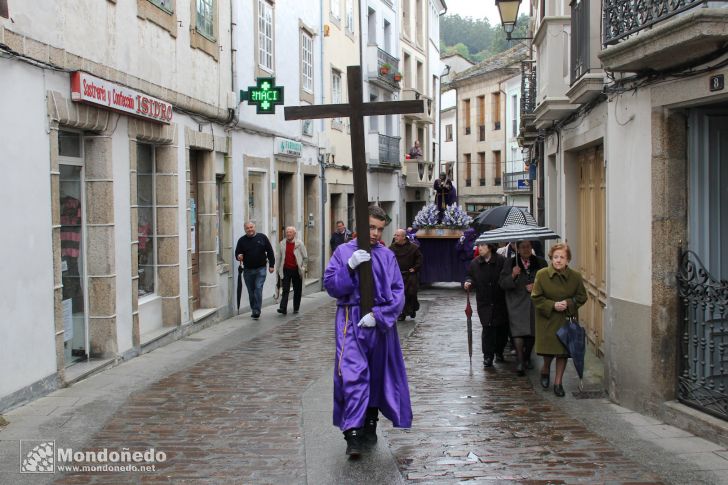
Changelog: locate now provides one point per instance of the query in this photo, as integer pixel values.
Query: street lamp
(508, 10)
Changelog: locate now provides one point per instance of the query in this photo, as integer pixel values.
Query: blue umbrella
(573, 337)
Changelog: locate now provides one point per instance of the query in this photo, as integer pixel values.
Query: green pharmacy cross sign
(265, 96)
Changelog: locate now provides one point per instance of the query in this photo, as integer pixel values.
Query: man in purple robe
(369, 371)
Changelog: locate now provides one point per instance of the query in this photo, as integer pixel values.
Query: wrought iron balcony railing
(528, 87)
(579, 39)
(622, 18)
(384, 59)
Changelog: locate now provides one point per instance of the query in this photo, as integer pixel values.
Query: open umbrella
(516, 232)
(503, 215)
(469, 315)
(240, 283)
(573, 337)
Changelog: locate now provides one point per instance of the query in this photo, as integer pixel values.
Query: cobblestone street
(259, 411)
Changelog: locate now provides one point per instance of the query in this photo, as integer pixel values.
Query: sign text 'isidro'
(86, 88)
(265, 95)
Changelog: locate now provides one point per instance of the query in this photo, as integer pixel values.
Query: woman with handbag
(557, 294)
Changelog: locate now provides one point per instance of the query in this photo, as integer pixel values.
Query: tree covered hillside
(476, 39)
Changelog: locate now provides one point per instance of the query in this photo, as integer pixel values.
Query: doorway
(286, 211)
(194, 236)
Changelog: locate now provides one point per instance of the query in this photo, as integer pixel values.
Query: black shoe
(413, 314)
(519, 369)
(353, 439)
(559, 390)
(401, 318)
(545, 381)
(281, 311)
(255, 316)
(370, 426)
(499, 357)
(488, 362)
(295, 311)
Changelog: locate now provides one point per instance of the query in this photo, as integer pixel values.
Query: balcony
(420, 173)
(383, 152)
(587, 76)
(658, 35)
(410, 94)
(527, 133)
(552, 104)
(376, 58)
(517, 183)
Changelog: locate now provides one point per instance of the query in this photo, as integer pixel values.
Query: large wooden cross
(356, 110)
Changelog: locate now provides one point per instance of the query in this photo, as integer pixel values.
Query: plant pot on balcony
(384, 69)
(398, 77)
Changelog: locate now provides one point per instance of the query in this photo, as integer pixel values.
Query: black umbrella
(516, 232)
(240, 283)
(501, 216)
(469, 315)
(573, 337)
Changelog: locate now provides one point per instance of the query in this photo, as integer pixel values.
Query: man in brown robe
(409, 259)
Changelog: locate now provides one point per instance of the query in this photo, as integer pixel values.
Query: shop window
(205, 23)
(147, 220)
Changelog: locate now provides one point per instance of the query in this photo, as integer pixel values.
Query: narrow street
(250, 402)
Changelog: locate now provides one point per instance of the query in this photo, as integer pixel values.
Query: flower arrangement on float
(453, 217)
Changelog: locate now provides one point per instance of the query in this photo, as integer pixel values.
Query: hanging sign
(89, 89)
(265, 95)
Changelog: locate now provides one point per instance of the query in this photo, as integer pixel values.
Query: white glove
(367, 321)
(358, 257)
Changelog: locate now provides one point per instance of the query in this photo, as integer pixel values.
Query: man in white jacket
(291, 268)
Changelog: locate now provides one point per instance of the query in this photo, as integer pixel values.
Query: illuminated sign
(265, 95)
(290, 148)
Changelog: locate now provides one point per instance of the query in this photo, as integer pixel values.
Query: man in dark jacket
(340, 236)
(252, 250)
(483, 276)
(409, 259)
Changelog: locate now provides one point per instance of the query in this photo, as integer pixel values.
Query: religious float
(439, 236)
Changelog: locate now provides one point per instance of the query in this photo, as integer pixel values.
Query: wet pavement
(250, 402)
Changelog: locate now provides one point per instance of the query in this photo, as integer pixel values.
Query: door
(194, 237)
(592, 242)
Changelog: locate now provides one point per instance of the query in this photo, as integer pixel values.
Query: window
(4, 9)
(481, 167)
(481, 118)
(205, 23)
(448, 132)
(466, 113)
(336, 96)
(498, 169)
(350, 16)
(468, 170)
(147, 223)
(496, 111)
(306, 61)
(265, 35)
(336, 9)
(166, 5)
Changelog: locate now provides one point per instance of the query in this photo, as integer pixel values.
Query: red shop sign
(86, 88)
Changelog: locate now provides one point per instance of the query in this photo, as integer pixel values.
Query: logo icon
(37, 456)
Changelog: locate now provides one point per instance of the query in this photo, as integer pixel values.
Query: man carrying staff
(369, 372)
(409, 259)
(444, 194)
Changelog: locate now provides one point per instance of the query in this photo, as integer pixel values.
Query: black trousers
(493, 339)
(291, 275)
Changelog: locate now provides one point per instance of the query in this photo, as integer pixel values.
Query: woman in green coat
(557, 294)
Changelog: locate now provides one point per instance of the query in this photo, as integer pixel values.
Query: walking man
(369, 372)
(253, 249)
(409, 259)
(291, 268)
(483, 276)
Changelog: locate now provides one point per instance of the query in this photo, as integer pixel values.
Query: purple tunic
(369, 368)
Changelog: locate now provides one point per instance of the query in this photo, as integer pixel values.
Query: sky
(475, 8)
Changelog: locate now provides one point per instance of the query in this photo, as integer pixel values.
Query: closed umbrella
(573, 337)
(469, 315)
(503, 215)
(240, 283)
(516, 232)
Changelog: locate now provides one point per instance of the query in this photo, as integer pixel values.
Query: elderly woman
(557, 294)
(516, 279)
